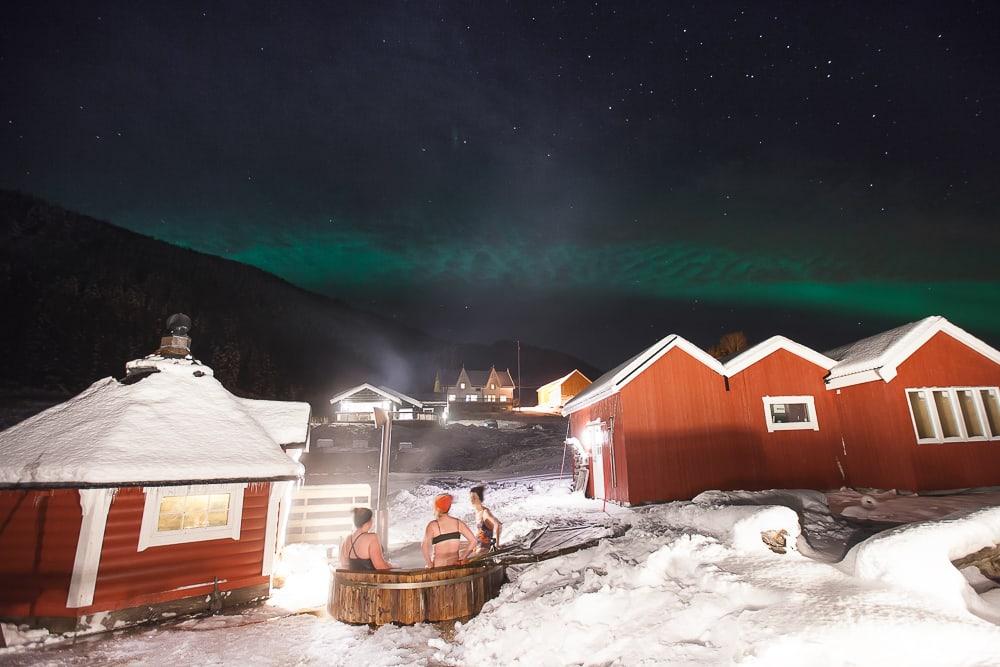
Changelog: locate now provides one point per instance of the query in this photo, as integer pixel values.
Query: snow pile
(919, 557)
(740, 526)
(304, 573)
(176, 424)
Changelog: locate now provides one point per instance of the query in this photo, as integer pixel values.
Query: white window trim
(956, 410)
(810, 401)
(149, 536)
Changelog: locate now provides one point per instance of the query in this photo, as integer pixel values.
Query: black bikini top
(444, 537)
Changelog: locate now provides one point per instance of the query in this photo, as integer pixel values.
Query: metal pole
(383, 419)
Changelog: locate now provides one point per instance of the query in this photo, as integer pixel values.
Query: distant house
(147, 497)
(915, 408)
(557, 393)
(356, 404)
(470, 386)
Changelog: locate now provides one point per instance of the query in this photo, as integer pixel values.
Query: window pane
(218, 517)
(172, 505)
(949, 424)
(219, 502)
(992, 402)
(196, 512)
(921, 414)
(789, 413)
(169, 522)
(970, 413)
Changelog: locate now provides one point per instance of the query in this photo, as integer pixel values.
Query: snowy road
(690, 584)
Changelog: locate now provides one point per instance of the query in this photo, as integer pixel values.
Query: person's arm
(472, 543)
(426, 547)
(497, 526)
(378, 560)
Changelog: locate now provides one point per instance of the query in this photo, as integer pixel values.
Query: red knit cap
(442, 503)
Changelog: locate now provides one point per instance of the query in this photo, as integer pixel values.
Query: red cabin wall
(679, 430)
(38, 536)
(605, 410)
(128, 577)
(882, 449)
(39, 531)
(795, 458)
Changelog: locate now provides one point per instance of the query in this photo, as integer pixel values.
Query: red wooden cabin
(672, 421)
(158, 493)
(919, 408)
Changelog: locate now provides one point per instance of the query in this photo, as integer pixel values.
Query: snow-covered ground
(691, 583)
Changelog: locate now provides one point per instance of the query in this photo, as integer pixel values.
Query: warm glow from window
(461, 385)
(184, 512)
(954, 414)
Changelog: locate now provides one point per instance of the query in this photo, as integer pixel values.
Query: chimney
(176, 343)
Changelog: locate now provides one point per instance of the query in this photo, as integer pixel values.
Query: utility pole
(383, 418)
(519, 372)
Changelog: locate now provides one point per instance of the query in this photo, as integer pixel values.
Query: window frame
(956, 408)
(810, 403)
(151, 536)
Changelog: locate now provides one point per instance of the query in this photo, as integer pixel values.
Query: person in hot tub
(488, 527)
(361, 551)
(442, 543)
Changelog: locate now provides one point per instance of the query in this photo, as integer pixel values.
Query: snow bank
(919, 557)
(739, 525)
(177, 424)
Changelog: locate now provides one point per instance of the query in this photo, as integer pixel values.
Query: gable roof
(504, 378)
(740, 362)
(390, 394)
(611, 382)
(878, 357)
(173, 424)
(559, 381)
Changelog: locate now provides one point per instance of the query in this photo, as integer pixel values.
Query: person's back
(361, 551)
(443, 536)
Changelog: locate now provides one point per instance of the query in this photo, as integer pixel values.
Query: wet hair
(362, 515)
(480, 491)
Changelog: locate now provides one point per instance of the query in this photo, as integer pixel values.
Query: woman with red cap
(443, 536)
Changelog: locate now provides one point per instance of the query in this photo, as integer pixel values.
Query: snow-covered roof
(177, 424)
(287, 422)
(390, 394)
(558, 382)
(612, 381)
(752, 355)
(878, 357)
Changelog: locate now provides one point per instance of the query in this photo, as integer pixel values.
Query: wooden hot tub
(413, 596)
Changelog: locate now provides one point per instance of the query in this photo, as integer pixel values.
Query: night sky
(586, 176)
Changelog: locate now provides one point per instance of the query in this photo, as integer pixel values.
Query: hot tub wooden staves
(414, 596)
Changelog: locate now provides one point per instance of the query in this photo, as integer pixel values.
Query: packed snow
(691, 583)
(178, 423)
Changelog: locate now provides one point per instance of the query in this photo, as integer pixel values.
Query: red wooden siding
(882, 449)
(128, 577)
(679, 431)
(39, 531)
(606, 410)
(794, 458)
(38, 536)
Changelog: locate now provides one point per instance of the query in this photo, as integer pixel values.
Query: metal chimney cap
(179, 324)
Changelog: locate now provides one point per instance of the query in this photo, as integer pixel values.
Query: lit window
(954, 414)
(790, 413)
(503, 399)
(471, 398)
(461, 385)
(493, 386)
(175, 515)
(451, 397)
